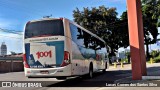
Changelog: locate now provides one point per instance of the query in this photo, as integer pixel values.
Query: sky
(151, 47)
(14, 14)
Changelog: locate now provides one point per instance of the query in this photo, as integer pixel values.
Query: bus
(60, 48)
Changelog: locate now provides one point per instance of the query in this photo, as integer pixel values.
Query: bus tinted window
(88, 45)
(46, 27)
(77, 35)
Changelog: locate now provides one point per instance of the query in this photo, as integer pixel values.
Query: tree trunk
(147, 51)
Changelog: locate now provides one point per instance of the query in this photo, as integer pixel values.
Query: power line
(11, 31)
(10, 37)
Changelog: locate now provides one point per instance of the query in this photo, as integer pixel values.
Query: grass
(124, 60)
(156, 59)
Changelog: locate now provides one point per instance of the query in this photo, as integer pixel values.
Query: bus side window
(77, 35)
(80, 34)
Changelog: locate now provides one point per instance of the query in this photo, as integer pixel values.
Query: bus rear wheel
(104, 70)
(91, 71)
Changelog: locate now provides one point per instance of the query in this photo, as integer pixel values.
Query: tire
(90, 75)
(104, 70)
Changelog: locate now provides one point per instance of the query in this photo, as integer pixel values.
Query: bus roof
(45, 19)
(72, 23)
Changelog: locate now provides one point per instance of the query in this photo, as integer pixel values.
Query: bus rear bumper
(48, 72)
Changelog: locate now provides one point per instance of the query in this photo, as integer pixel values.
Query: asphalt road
(100, 79)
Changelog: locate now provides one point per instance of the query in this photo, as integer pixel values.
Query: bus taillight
(66, 60)
(61, 18)
(25, 61)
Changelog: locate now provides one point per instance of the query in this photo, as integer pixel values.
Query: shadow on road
(100, 79)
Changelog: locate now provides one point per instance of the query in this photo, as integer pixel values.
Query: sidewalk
(153, 73)
(156, 72)
(128, 66)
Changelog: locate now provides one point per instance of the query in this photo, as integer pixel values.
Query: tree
(151, 11)
(104, 22)
(124, 29)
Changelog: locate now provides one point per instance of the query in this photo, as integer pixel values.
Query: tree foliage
(103, 22)
(151, 13)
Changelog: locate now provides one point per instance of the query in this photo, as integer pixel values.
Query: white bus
(60, 48)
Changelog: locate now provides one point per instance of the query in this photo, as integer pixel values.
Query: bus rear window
(44, 28)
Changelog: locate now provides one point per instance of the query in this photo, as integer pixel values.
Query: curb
(129, 80)
(150, 77)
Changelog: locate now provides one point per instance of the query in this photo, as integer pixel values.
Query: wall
(11, 66)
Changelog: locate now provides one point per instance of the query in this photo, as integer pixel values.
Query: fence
(11, 64)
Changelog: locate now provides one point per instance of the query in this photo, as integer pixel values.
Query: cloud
(14, 42)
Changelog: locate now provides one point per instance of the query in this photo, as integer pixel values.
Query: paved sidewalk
(128, 66)
(153, 72)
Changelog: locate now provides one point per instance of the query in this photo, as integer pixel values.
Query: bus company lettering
(43, 39)
(44, 54)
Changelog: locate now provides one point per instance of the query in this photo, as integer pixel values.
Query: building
(3, 49)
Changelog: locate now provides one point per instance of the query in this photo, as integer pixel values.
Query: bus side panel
(77, 60)
(78, 65)
(68, 46)
(101, 61)
(102, 58)
(86, 64)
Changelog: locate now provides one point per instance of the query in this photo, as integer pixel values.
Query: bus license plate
(44, 72)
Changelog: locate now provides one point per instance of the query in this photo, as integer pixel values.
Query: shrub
(156, 59)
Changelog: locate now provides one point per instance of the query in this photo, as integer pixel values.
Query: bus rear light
(61, 18)
(25, 61)
(66, 60)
